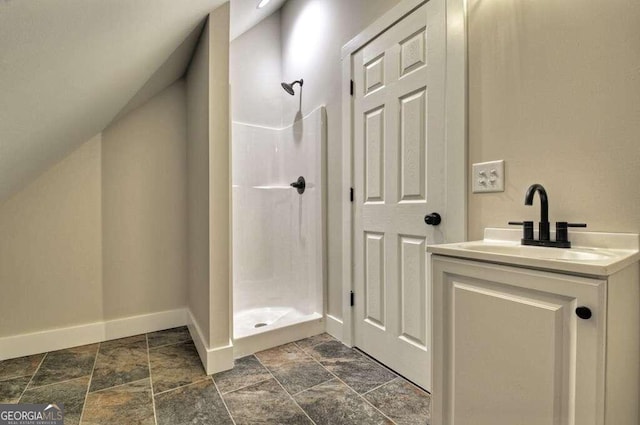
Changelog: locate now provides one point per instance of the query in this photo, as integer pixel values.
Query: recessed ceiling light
(263, 3)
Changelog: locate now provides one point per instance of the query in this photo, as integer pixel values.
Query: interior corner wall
(312, 35)
(553, 90)
(144, 214)
(256, 69)
(197, 82)
(51, 248)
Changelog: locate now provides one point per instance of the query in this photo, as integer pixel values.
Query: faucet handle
(527, 228)
(562, 233)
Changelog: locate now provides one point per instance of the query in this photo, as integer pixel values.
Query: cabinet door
(510, 350)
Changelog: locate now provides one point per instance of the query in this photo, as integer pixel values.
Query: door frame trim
(455, 226)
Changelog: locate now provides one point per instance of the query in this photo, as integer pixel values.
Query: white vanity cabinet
(509, 348)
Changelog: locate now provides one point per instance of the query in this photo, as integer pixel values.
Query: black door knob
(433, 219)
(584, 312)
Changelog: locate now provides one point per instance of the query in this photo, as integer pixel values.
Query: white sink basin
(596, 254)
(570, 254)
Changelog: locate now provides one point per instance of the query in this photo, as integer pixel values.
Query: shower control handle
(299, 184)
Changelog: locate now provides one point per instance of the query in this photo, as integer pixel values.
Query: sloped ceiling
(170, 71)
(245, 14)
(67, 67)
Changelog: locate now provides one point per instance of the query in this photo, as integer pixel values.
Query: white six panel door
(399, 168)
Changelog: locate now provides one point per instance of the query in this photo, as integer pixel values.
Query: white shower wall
(278, 243)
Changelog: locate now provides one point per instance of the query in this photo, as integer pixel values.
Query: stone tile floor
(157, 378)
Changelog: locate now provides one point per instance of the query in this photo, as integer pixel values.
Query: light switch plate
(488, 177)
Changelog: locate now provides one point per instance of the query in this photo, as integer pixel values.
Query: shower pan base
(261, 328)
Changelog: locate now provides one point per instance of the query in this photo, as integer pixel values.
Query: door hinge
(352, 299)
(351, 88)
(351, 194)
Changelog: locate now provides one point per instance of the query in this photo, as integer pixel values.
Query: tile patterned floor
(157, 379)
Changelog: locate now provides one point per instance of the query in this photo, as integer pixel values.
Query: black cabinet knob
(584, 312)
(433, 219)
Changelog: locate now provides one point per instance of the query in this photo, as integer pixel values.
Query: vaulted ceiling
(245, 14)
(68, 67)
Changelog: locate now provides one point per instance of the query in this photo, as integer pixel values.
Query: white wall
(209, 192)
(197, 82)
(51, 248)
(554, 90)
(256, 74)
(144, 213)
(220, 178)
(102, 234)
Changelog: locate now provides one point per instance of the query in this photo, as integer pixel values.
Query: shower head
(288, 87)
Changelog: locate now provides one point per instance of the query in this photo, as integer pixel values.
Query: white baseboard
(137, 325)
(334, 327)
(219, 359)
(214, 360)
(74, 336)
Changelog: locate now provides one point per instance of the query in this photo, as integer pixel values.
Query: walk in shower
(278, 232)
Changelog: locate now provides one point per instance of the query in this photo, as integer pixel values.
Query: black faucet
(543, 225)
(544, 236)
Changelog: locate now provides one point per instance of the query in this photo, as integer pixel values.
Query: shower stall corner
(279, 238)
